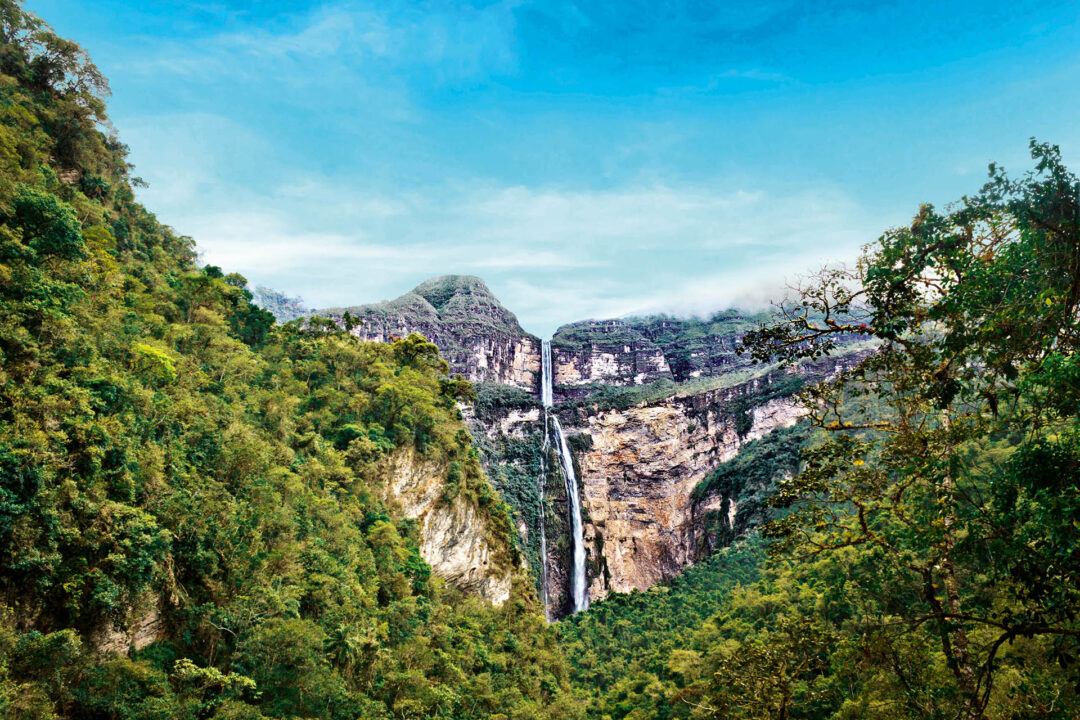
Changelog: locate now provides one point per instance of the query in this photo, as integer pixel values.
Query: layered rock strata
(640, 475)
(607, 353)
(642, 464)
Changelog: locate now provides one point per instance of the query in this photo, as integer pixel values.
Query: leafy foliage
(977, 310)
(193, 512)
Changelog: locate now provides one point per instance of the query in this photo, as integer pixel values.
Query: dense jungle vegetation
(168, 453)
(171, 458)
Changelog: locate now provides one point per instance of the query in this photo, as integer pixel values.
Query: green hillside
(181, 476)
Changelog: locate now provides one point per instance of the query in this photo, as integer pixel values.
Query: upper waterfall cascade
(546, 394)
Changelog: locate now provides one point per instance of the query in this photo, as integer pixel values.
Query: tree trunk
(960, 655)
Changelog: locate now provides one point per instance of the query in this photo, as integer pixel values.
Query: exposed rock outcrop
(609, 352)
(642, 350)
(281, 306)
(146, 626)
(694, 347)
(642, 464)
(455, 539)
(639, 478)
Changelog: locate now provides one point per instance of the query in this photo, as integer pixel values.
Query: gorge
(219, 504)
(604, 439)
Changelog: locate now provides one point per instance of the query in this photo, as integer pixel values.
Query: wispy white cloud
(554, 254)
(724, 80)
(326, 31)
(358, 41)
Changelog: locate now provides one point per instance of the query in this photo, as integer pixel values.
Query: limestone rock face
(640, 474)
(476, 335)
(608, 352)
(696, 347)
(641, 350)
(455, 538)
(146, 626)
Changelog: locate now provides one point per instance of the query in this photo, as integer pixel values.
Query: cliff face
(455, 539)
(476, 335)
(639, 478)
(643, 350)
(644, 458)
(608, 352)
(643, 468)
(695, 348)
(281, 306)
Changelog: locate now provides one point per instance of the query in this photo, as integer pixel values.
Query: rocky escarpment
(699, 347)
(640, 473)
(643, 350)
(651, 407)
(643, 455)
(455, 539)
(642, 467)
(477, 336)
(608, 352)
(281, 306)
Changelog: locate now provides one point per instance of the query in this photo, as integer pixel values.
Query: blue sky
(587, 159)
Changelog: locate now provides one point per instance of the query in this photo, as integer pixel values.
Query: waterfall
(577, 580)
(578, 590)
(546, 395)
(545, 398)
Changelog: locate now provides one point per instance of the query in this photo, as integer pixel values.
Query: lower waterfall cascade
(578, 588)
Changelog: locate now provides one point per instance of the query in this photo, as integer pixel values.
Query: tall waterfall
(578, 590)
(545, 397)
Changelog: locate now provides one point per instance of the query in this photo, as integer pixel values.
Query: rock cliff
(642, 468)
(281, 306)
(651, 408)
(609, 352)
(699, 347)
(643, 455)
(643, 350)
(454, 538)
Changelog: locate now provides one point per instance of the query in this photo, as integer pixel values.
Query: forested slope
(193, 520)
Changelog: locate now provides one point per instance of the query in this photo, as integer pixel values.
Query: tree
(935, 437)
